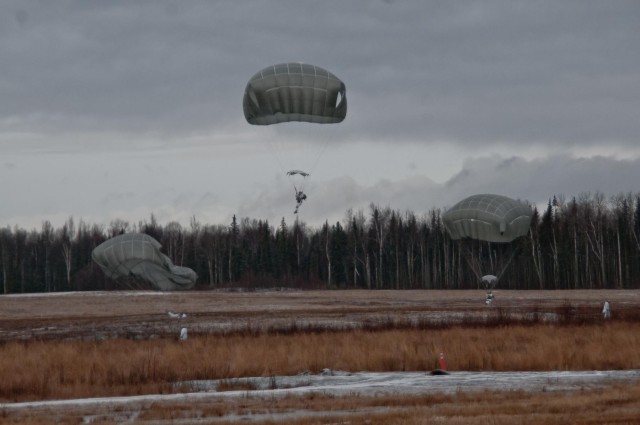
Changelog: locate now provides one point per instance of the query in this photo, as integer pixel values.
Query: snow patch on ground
(89, 294)
(367, 384)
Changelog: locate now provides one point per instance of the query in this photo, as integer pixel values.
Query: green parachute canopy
(294, 92)
(491, 218)
(138, 254)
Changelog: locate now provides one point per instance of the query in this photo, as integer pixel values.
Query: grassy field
(39, 370)
(143, 315)
(116, 344)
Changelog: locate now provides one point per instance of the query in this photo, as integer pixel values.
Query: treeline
(586, 242)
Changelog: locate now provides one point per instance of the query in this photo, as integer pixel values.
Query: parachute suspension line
(513, 254)
(296, 187)
(492, 254)
(473, 265)
(318, 156)
(300, 188)
(274, 150)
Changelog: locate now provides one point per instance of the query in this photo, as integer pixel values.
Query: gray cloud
(535, 181)
(148, 95)
(117, 198)
(547, 72)
(539, 179)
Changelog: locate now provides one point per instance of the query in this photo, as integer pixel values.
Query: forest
(589, 241)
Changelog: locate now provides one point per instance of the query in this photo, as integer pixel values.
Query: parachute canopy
(138, 254)
(294, 92)
(297, 172)
(489, 279)
(491, 218)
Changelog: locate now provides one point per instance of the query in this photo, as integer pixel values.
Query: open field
(320, 357)
(610, 403)
(143, 314)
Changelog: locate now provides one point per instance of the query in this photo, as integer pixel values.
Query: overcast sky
(123, 109)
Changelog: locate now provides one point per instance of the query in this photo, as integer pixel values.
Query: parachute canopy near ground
(138, 255)
(489, 279)
(294, 92)
(486, 217)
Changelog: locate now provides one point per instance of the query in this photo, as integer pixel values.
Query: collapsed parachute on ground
(294, 92)
(138, 255)
(482, 220)
(491, 218)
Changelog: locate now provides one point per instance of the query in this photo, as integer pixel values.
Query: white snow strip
(364, 384)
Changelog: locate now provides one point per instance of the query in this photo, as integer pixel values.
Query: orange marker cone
(443, 366)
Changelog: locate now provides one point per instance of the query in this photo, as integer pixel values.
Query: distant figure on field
(183, 334)
(489, 298)
(606, 310)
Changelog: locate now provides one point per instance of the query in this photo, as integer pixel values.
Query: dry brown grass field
(80, 345)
